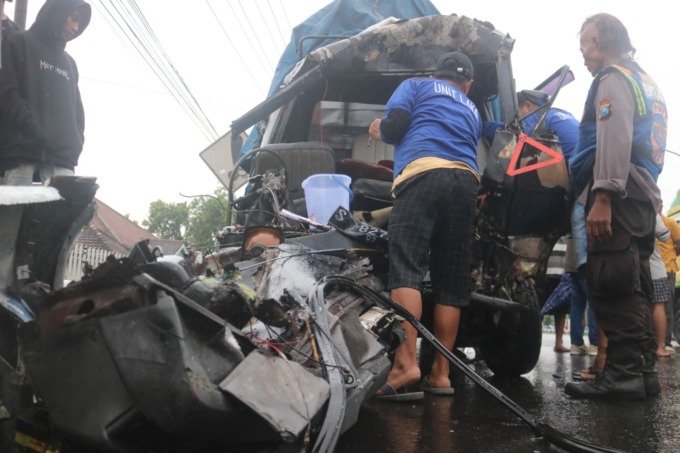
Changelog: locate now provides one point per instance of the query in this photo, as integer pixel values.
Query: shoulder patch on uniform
(604, 109)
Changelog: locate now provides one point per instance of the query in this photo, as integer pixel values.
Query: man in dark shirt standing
(621, 149)
(436, 129)
(8, 26)
(40, 107)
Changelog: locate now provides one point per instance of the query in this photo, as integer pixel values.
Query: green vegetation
(195, 222)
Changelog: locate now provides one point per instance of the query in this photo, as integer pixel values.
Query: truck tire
(516, 338)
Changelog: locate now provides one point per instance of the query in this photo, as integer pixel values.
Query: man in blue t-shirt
(558, 121)
(435, 128)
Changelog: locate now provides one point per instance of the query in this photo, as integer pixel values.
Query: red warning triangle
(524, 138)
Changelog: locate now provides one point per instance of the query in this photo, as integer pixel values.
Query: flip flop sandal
(441, 391)
(404, 394)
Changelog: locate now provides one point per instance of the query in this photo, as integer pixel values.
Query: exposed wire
(288, 344)
(293, 255)
(204, 195)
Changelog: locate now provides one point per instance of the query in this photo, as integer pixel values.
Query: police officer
(621, 149)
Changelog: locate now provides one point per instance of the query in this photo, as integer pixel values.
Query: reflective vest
(649, 125)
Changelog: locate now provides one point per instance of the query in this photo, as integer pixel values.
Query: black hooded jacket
(41, 113)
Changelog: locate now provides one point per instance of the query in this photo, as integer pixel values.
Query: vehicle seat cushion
(370, 194)
(358, 169)
(301, 160)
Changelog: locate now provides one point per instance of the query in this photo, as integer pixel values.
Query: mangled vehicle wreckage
(281, 334)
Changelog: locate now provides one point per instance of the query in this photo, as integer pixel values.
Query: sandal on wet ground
(429, 388)
(561, 349)
(403, 394)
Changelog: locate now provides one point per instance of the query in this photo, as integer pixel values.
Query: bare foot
(662, 353)
(399, 378)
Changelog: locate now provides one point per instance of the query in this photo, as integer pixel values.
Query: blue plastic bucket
(324, 193)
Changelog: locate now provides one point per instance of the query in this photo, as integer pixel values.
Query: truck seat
(301, 159)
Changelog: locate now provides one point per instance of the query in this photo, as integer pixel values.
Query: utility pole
(20, 10)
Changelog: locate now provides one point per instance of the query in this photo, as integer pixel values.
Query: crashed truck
(278, 336)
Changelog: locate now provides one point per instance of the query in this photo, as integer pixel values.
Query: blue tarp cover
(341, 17)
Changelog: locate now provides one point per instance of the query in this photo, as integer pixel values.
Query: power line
(285, 16)
(238, 54)
(269, 32)
(262, 58)
(276, 21)
(131, 31)
(119, 29)
(131, 22)
(250, 24)
(141, 88)
(167, 60)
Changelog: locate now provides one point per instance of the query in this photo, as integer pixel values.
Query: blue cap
(534, 96)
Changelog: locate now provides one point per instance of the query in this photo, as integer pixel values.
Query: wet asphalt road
(472, 421)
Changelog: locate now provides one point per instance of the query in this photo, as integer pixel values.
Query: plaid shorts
(431, 225)
(662, 291)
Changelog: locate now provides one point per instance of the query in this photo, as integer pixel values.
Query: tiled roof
(168, 246)
(109, 230)
(116, 227)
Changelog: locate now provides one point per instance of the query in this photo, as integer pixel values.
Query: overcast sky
(142, 146)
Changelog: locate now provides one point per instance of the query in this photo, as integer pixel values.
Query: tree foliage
(196, 222)
(207, 216)
(167, 220)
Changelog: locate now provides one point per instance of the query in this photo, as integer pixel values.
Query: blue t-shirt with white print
(444, 123)
(561, 123)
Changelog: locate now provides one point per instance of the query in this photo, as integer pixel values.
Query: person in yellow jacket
(670, 249)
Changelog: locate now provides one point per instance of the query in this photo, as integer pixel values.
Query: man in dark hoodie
(8, 26)
(40, 107)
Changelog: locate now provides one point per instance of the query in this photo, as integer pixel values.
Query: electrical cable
(260, 57)
(266, 27)
(119, 29)
(167, 60)
(259, 44)
(276, 21)
(163, 58)
(129, 21)
(231, 43)
(128, 33)
(293, 255)
(285, 16)
(337, 400)
(141, 88)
